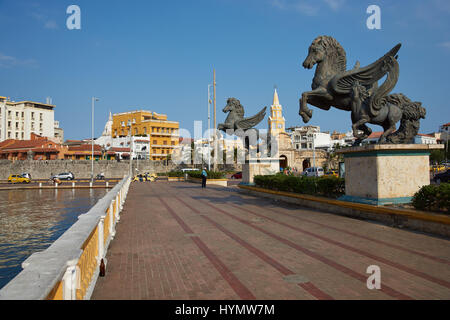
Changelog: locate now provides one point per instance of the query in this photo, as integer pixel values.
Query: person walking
(204, 176)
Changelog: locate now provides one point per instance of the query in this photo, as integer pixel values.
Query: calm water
(31, 220)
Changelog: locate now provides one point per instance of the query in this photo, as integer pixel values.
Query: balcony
(162, 146)
(165, 134)
(159, 154)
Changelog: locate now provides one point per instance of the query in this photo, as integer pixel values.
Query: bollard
(73, 184)
(107, 184)
(40, 185)
(90, 184)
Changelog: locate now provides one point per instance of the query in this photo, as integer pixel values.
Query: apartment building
(309, 137)
(163, 134)
(18, 120)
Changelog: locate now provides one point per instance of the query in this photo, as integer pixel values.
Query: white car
(313, 172)
(64, 176)
(189, 169)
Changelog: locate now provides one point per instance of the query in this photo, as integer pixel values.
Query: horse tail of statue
(412, 112)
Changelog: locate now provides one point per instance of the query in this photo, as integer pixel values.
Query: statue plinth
(386, 174)
(259, 167)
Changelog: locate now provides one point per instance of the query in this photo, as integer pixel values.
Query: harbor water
(31, 220)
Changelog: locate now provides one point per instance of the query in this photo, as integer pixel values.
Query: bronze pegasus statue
(236, 124)
(236, 121)
(357, 90)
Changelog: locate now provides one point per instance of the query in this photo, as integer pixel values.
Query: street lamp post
(92, 142)
(130, 158)
(209, 127)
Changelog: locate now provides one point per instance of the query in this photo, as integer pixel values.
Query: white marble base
(261, 166)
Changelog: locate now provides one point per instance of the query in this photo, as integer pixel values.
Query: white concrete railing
(69, 268)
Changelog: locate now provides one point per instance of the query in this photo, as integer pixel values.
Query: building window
(155, 142)
(165, 142)
(40, 116)
(32, 116)
(136, 130)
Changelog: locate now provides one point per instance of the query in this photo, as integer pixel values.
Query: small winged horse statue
(357, 90)
(239, 125)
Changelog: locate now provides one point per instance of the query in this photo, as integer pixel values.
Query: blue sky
(159, 55)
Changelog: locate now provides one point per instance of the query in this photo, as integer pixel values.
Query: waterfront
(31, 220)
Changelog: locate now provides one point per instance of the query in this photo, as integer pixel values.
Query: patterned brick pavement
(178, 241)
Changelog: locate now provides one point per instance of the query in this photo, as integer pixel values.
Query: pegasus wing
(250, 122)
(367, 76)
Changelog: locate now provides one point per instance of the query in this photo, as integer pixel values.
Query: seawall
(80, 168)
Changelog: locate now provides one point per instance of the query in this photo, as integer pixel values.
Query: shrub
(211, 174)
(433, 198)
(175, 174)
(325, 186)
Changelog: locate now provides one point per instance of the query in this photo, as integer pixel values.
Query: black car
(442, 177)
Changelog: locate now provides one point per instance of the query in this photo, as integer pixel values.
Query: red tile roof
(25, 144)
(85, 147)
(375, 135)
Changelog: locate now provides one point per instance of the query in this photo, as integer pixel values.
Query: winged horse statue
(357, 90)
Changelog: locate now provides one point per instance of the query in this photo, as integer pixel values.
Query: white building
(309, 137)
(418, 139)
(19, 119)
(139, 146)
(445, 132)
(342, 139)
(425, 139)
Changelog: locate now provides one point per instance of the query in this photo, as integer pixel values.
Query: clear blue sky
(159, 55)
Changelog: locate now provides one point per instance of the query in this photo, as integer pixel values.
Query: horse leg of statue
(360, 125)
(387, 131)
(319, 94)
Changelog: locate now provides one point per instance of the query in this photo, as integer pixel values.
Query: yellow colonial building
(164, 134)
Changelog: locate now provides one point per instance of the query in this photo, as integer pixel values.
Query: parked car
(442, 177)
(100, 176)
(237, 175)
(64, 176)
(26, 175)
(17, 178)
(151, 175)
(331, 173)
(313, 172)
(189, 169)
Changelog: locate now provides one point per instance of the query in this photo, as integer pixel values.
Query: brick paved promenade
(178, 241)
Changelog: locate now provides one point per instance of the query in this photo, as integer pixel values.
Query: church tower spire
(276, 119)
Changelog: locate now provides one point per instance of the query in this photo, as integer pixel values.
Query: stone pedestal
(260, 166)
(386, 174)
